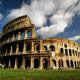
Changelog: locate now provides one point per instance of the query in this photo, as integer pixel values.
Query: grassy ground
(10, 74)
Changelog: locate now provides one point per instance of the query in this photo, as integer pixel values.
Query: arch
(45, 63)
(52, 48)
(75, 64)
(37, 47)
(36, 63)
(70, 52)
(28, 47)
(54, 62)
(14, 48)
(73, 52)
(45, 48)
(27, 64)
(66, 52)
(20, 47)
(67, 62)
(29, 34)
(60, 62)
(61, 51)
(8, 49)
(6, 60)
(72, 65)
(12, 61)
(65, 45)
(19, 61)
(22, 35)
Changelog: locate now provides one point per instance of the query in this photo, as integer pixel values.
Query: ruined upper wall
(62, 42)
(20, 22)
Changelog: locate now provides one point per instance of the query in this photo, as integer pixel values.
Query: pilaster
(17, 49)
(23, 63)
(24, 48)
(32, 63)
(15, 66)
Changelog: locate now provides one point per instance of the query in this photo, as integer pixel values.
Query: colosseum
(21, 47)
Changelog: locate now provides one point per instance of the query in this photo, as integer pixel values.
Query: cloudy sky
(52, 18)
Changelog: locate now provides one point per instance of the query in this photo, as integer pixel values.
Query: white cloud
(75, 38)
(61, 12)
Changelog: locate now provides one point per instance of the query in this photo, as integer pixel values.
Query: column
(32, 63)
(33, 33)
(41, 47)
(65, 64)
(63, 51)
(11, 50)
(69, 64)
(19, 35)
(15, 66)
(68, 53)
(41, 63)
(24, 48)
(72, 53)
(25, 34)
(57, 65)
(17, 49)
(51, 63)
(23, 63)
(13, 37)
(9, 65)
(74, 64)
(6, 52)
(32, 47)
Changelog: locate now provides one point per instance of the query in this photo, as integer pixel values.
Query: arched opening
(36, 63)
(37, 47)
(66, 52)
(75, 64)
(45, 63)
(16, 36)
(72, 65)
(8, 49)
(27, 64)
(60, 63)
(45, 48)
(14, 48)
(19, 61)
(67, 62)
(6, 62)
(22, 35)
(28, 47)
(29, 34)
(65, 45)
(61, 51)
(54, 63)
(20, 47)
(70, 52)
(52, 48)
(12, 61)
(73, 52)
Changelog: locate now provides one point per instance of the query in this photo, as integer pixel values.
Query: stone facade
(21, 48)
